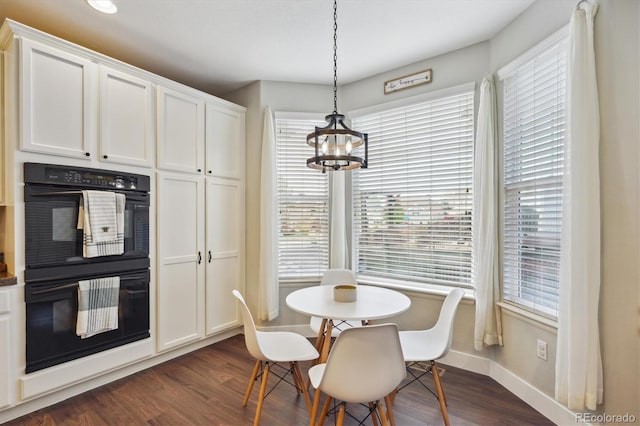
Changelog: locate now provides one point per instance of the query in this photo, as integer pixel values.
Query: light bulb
(324, 148)
(348, 147)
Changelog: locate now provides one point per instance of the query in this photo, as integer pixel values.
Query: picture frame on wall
(407, 81)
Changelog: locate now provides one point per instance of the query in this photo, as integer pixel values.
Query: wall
(617, 53)
(618, 70)
(618, 50)
(520, 334)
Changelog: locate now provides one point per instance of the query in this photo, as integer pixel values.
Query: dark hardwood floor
(206, 387)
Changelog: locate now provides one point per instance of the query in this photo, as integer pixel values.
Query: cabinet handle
(199, 170)
(210, 256)
(87, 154)
(210, 172)
(105, 156)
(199, 258)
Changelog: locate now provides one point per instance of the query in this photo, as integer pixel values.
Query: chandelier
(335, 144)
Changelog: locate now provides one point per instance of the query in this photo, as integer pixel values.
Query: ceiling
(220, 45)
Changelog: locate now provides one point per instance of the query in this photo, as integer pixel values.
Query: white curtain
(338, 234)
(578, 363)
(488, 325)
(268, 306)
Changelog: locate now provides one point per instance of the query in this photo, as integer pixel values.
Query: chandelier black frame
(333, 145)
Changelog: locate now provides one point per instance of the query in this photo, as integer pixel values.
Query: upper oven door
(52, 237)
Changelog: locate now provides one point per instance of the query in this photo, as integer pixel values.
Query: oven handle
(62, 287)
(58, 193)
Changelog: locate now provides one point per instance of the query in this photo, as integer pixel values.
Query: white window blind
(412, 207)
(534, 120)
(303, 203)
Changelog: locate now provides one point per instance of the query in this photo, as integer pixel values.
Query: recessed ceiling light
(104, 6)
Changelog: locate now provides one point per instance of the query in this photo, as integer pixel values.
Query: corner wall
(618, 52)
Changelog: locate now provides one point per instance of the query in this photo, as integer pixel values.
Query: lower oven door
(51, 318)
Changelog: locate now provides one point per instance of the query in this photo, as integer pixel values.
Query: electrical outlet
(541, 349)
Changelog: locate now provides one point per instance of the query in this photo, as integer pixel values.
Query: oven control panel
(80, 177)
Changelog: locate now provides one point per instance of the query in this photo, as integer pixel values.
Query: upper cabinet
(225, 141)
(73, 107)
(180, 131)
(127, 112)
(57, 97)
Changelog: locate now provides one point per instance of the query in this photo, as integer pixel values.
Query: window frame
(302, 116)
(541, 315)
(418, 286)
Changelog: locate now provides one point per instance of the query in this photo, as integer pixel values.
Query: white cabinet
(57, 101)
(180, 284)
(127, 118)
(180, 131)
(220, 224)
(224, 141)
(7, 343)
(225, 244)
(71, 106)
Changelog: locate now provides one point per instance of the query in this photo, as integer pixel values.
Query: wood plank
(207, 387)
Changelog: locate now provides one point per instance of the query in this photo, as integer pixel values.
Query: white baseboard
(541, 402)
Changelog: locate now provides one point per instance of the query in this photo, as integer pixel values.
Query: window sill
(528, 316)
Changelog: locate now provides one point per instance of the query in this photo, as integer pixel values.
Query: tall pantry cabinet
(200, 216)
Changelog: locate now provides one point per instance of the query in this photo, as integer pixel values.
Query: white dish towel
(101, 217)
(97, 306)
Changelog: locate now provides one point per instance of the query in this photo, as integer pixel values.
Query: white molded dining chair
(335, 277)
(269, 349)
(365, 365)
(421, 348)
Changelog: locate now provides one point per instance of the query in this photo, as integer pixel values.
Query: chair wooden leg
(254, 374)
(340, 419)
(263, 388)
(324, 353)
(440, 392)
(383, 417)
(296, 382)
(372, 408)
(314, 409)
(302, 386)
(388, 401)
(325, 410)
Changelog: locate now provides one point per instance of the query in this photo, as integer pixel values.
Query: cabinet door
(180, 291)
(57, 113)
(224, 141)
(127, 118)
(225, 248)
(180, 131)
(7, 343)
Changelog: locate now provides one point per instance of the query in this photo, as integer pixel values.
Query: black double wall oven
(54, 262)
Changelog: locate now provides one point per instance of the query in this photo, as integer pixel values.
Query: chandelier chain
(335, 56)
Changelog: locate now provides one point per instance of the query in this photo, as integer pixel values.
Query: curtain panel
(485, 268)
(578, 360)
(268, 299)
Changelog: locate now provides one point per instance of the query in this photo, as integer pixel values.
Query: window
(303, 202)
(533, 133)
(412, 207)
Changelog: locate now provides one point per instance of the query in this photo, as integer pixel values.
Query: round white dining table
(372, 303)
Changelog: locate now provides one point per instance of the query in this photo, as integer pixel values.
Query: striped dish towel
(97, 306)
(101, 217)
